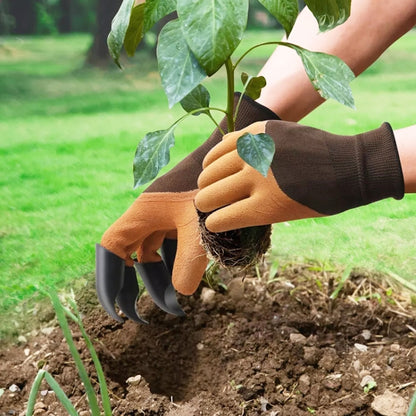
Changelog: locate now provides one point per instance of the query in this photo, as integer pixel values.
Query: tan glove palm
(313, 173)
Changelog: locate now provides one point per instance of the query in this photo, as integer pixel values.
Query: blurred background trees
(46, 17)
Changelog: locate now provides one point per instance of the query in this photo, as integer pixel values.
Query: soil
(272, 347)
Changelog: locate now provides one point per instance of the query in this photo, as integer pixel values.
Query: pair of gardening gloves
(313, 173)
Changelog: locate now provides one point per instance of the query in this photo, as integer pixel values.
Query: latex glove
(163, 212)
(313, 173)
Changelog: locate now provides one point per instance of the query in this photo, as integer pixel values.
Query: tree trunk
(24, 14)
(98, 54)
(64, 22)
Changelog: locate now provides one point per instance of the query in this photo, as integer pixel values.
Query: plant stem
(105, 398)
(230, 94)
(254, 47)
(60, 314)
(412, 406)
(33, 392)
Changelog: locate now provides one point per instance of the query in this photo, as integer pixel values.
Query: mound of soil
(279, 347)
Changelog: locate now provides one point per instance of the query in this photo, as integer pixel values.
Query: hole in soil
(167, 363)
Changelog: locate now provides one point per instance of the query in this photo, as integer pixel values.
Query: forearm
(372, 27)
(406, 145)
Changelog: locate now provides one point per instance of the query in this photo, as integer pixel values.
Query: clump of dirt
(241, 248)
(272, 347)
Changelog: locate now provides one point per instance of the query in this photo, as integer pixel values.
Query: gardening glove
(313, 173)
(162, 217)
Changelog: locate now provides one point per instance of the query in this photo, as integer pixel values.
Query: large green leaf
(152, 154)
(285, 11)
(212, 29)
(329, 13)
(330, 75)
(179, 70)
(253, 85)
(198, 98)
(156, 10)
(119, 27)
(257, 150)
(134, 33)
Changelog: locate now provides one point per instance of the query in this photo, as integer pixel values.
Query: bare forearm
(406, 145)
(372, 27)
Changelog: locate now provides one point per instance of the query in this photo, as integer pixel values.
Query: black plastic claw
(158, 282)
(116, 283)
(168, 252)
(128, 295)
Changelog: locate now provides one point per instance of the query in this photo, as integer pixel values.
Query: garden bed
(263, 347)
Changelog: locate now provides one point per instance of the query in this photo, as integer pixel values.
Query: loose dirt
(272, 347)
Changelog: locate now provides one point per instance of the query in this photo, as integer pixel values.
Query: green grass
(67, 140)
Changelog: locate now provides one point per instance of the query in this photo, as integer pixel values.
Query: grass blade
(412, 406)
(34, 392)
(105, 398)
(60, 394)
(60, 314)
(341, 283)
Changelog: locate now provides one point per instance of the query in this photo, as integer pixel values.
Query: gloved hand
(164, 212)
(313, 173)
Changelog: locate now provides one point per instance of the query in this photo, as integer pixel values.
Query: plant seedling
(197, 44)
(71, 312)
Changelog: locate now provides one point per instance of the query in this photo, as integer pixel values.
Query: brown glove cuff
(331, 173)
(367, 167)
(184, 176)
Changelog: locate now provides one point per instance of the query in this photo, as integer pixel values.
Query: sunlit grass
(67, 141)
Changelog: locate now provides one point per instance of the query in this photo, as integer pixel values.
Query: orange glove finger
(147, 252)
(238, 215)
(150, 213)
(224, 192)
(191, 258)
(224, 166)
(229, 142)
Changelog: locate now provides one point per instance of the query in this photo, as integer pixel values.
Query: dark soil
(278, 348)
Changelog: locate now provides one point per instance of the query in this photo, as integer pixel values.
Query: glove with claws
(162, 217)
(313, 173)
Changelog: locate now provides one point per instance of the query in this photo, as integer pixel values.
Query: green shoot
(341, 283)
(61, 311)
(412, 406)
(60, 394)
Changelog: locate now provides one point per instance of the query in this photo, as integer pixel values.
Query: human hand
(313, 173)
(164, 217)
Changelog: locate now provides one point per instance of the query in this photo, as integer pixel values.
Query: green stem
(105, 398)
(60, 314)
(217, 124)
(206, 110)
(230, 94)
(254, 47)
(33, 392)
(412, 406)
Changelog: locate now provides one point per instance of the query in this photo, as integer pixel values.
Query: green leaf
(285, 12)
(179, 70)
(60, 315)
(329, 13)
(253, 85)
(156, 10)
(152, 154)
(257, 150)
(60, 395)
(212, 29)
(134, 33)
(198, 98)
(119, 27)
(330, 75)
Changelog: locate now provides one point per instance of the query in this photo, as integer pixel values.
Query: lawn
(67, 139)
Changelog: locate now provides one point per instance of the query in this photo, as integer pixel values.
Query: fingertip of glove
(185, 288)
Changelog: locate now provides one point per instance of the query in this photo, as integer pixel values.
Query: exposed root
(242, 248)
